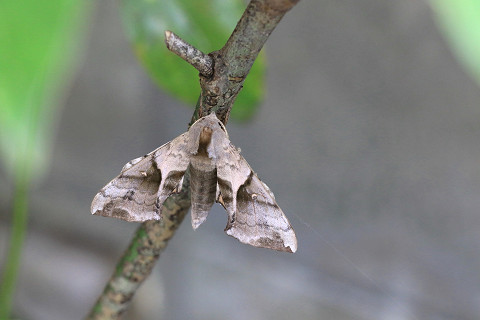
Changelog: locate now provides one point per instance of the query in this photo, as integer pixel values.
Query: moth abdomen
(203, 188)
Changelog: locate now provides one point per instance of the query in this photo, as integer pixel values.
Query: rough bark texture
(231, 65)
(233, 62)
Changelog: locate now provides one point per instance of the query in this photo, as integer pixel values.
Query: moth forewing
(132, 195)
(137, 194)
(254, 216)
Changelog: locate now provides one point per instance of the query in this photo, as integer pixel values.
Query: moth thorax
(204, 140)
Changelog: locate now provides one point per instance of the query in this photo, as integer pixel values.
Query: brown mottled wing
(254, 216)
(172, 163)
(138, 193)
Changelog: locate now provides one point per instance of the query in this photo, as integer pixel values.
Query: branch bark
(222, 74)
(233, 62)
(138, 260)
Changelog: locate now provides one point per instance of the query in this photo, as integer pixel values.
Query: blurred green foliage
(38, 49)
(459, 21)
(206, 24)
(38, 42)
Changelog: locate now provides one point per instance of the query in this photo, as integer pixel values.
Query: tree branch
(233, 62)
(138, 260)
(222, 74)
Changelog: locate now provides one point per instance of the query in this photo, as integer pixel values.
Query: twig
(199, 60)
(219, 89)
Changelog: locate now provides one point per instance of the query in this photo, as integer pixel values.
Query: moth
(217, 173)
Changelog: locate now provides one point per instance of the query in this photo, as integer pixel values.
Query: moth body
(217, 173)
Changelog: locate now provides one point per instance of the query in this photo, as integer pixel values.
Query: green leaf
(38, 39)
(459, 20)
(206, 24)
(37, 42)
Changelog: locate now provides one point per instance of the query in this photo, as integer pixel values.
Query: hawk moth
(217, 173)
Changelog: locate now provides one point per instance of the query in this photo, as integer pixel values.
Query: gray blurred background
(368, 136)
